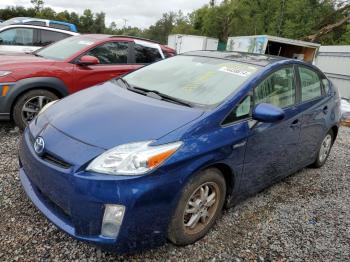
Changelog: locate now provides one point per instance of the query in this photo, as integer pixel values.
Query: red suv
(28, 82)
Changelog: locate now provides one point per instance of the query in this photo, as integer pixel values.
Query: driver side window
(111, 53)
(278, 89)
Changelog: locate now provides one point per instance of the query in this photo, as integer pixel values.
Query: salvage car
(173, 143)
(26, 35)
(29, 82)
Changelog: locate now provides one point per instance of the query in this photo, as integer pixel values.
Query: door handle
(295, 123)
(325, 110)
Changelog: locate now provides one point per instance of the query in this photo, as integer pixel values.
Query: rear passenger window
(146, 55)
(278, 89)
(310, 84)
(49, 37)
(326, 85)
(111, 53)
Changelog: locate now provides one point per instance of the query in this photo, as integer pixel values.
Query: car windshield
(15, 20)
(65, 48)
(201, 81)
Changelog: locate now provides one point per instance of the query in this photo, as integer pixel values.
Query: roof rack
(136, 37)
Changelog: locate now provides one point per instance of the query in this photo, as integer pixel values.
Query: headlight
(132, 159)
(4, 73)
(45, 107)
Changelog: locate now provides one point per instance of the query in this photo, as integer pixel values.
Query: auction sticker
(82, 42)
(235, 71)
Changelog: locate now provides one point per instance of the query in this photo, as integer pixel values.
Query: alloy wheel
(201, 207)
(33, 106)
(325, 148)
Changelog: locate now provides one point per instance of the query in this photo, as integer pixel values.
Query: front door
(114, 60)
(271, 150)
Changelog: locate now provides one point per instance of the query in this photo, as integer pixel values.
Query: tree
(38, 5)
(341, 17)
(323, 21)
(162, 28)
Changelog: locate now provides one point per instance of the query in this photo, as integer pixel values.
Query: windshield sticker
(199, 80)
(235, 71)
(82, 42)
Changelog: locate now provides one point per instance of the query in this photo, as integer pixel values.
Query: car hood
(20, 60)
(108, 115)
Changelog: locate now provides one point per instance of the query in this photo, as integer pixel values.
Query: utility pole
(125, 21)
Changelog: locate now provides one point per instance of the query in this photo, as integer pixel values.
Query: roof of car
(256, 59)
(72, 33)
(105, 36)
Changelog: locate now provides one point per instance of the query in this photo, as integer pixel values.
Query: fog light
(112, 220)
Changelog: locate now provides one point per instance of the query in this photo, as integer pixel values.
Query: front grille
(50, 158)
(56, 161)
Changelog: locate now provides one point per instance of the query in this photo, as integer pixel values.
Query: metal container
(334, 61)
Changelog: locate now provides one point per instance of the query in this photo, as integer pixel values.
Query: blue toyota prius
(157, 154)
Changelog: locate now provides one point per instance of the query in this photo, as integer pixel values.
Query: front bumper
(5, 100)
(74, 200)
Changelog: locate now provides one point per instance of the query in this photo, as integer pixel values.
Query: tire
(324, 150)
(34, 101)
(182, 231)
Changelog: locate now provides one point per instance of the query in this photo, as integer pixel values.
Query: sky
(140, 13)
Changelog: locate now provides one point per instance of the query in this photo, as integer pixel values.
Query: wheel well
(57, 93)
(228, 175)
(335, 131)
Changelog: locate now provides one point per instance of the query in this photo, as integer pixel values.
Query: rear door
(18, 39)
(272, 147)
(115, 60)
(315, 104)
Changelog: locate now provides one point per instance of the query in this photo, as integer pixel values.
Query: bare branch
(326, 30)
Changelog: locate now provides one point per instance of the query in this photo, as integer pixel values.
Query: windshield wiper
(155, 94)
(131, 88)
(36, 54)
(161, 96)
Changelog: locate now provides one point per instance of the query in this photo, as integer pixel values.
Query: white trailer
(273, 45)
(186, 43)
(334, 61)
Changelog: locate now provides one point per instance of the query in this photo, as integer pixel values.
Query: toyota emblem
(39, 145)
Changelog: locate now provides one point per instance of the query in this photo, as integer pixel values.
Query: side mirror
(267, 113)
(88, 60)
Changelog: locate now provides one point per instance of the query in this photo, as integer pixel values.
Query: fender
(53, 84)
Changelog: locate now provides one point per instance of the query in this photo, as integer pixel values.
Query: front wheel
(200, 205)
(324, 150)
(29, 105)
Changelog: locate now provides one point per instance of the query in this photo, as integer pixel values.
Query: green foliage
(345, 38)
(287, 18)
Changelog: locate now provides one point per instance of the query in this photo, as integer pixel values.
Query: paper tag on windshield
(235, 71)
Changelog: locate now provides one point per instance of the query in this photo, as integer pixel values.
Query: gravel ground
(306, 217)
